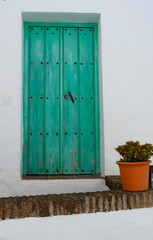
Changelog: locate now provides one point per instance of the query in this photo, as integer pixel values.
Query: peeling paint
(74, 153)
(25, 145)
(74, 164)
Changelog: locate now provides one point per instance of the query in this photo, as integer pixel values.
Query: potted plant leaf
(134, 165)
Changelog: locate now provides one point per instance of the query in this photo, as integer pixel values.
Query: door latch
(70, 95)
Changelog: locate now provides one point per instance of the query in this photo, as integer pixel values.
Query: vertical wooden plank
(26, 101)
(44, 103)
(52, 100)
(36, 100)
(79, 135)
(70, 112)
(97, 100)
(87, 100)
(61, 141)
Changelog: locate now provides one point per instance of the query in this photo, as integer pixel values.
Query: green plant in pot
(134, 165)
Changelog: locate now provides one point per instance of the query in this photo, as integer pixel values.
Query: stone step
(113, 182)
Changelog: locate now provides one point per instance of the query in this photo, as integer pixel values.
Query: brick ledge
(66, 204)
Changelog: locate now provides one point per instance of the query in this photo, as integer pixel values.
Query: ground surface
(127, 225)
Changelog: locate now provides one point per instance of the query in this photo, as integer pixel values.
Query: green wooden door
(61, 100)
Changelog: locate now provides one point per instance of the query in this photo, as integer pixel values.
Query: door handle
(70, 95)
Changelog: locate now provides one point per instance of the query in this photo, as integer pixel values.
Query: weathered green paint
(70, 109)
(87, 119)
(52, 100)
(61, 137)
(36, 85)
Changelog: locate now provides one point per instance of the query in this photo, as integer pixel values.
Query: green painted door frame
(61, 115)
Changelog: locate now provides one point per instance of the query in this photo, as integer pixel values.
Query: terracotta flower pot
(134, 175)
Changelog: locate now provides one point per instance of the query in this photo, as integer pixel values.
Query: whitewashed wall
(127, 74)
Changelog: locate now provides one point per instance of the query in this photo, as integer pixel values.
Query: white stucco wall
(127, 74)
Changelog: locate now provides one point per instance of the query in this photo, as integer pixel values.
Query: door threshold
(68, 176)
